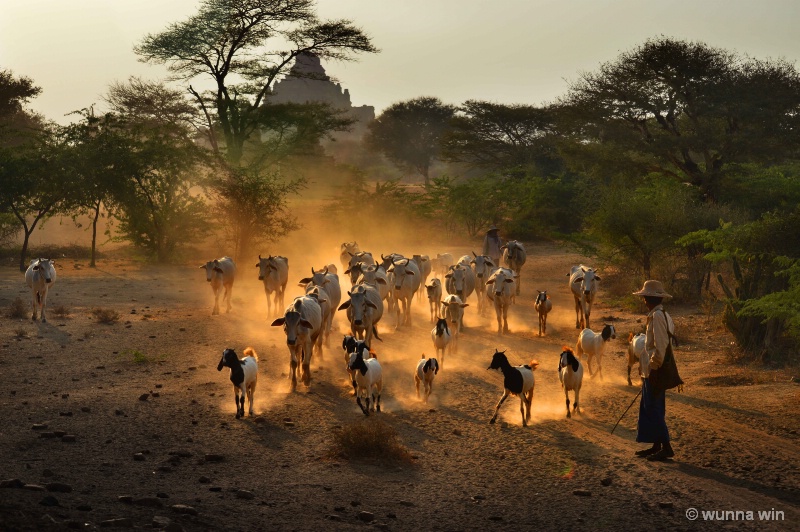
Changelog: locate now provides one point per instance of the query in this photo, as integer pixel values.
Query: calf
(369, 380)
(636, 353)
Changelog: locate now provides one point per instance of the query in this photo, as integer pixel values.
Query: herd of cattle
(390, 284)
(387, 287)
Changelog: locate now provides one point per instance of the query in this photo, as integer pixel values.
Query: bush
(61, 311)
(106, 316)
(371, 439)
(18, 309)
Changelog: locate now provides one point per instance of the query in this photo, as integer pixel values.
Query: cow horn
(312, 271)
(259, 256)
(326, 270)
(384, 258)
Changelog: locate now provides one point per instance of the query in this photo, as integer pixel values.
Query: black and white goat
(570, 373)
(427, 368)
(441, 337)
(244, 374)
(517, 380)
(594, 345)
(351, 344)
(543, 306)
(368, 377)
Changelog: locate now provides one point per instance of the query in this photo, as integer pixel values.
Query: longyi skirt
(652, 427)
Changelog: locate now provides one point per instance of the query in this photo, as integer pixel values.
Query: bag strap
(673, 340)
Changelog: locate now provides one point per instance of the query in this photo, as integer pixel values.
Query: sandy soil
(142, 411)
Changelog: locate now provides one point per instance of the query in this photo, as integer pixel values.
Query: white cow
(482, 266)
(347, 250)
(220, 273)
(274, 272)
(40, 276)
(500, 289)
(364, 311)
(460, 280)
(302, 323)
(407, 281)
(330, 283)
(583, 284)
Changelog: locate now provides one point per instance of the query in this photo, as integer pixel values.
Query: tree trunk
(23, 254)
(92, 263)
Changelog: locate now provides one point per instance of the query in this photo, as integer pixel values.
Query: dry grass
(61, 311)
(18, 309)
(370, 439)
(107, 316)
(20, 333)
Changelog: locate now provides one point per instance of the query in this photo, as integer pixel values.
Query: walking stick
(626, 410)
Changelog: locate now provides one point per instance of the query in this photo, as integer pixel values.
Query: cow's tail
(375, 333)
(250, 352)
(534, 365)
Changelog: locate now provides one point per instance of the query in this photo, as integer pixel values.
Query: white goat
(517, 380)
(570, 373)
(244, 374)
(543, 306)
(636, 354)
(425, 373)
(594, 345)
(441, 338)
(369, 380)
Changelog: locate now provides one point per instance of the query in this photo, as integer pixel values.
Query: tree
(244, 46)
(254, 41)
(757, 264)
(159, 205)
(684, 110)
(252, 208)
(409, 132)
(502, 138)
(100, 151)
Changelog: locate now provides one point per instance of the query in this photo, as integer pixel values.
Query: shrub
(18, 309)
(370, 439)
(61, 311)
(107, 316)
(20, 333)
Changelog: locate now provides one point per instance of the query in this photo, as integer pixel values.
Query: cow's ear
(278, 322)
(448, 276)
(490, 281)
(380, 280)
(409, 272)
(344, 305)
(347, 271)
(464, 305)
(203, 267)
(597, 277)
(257, 265)
(509, 280)
(373, 305)
(218, 269)
(321, 301)
(304, 281)
(306, 324)
(577, 280)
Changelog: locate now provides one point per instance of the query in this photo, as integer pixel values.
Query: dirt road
(132, 422)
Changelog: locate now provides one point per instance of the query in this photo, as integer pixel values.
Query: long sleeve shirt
(657, 336)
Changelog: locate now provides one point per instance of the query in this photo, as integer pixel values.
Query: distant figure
(492, 243)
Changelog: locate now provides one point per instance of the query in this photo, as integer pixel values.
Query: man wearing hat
(652, 426)
(492, 244)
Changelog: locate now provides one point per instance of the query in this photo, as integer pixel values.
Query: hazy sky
(507, 51)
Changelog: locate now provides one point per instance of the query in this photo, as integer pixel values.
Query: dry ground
(148, 384)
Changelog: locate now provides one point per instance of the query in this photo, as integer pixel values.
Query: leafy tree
(244, 46)
(684, 110)
(254, 41)
(99, 155)
(159, 207)
(408, 133)
(502, 138)
(757, 265)
(252, 208)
